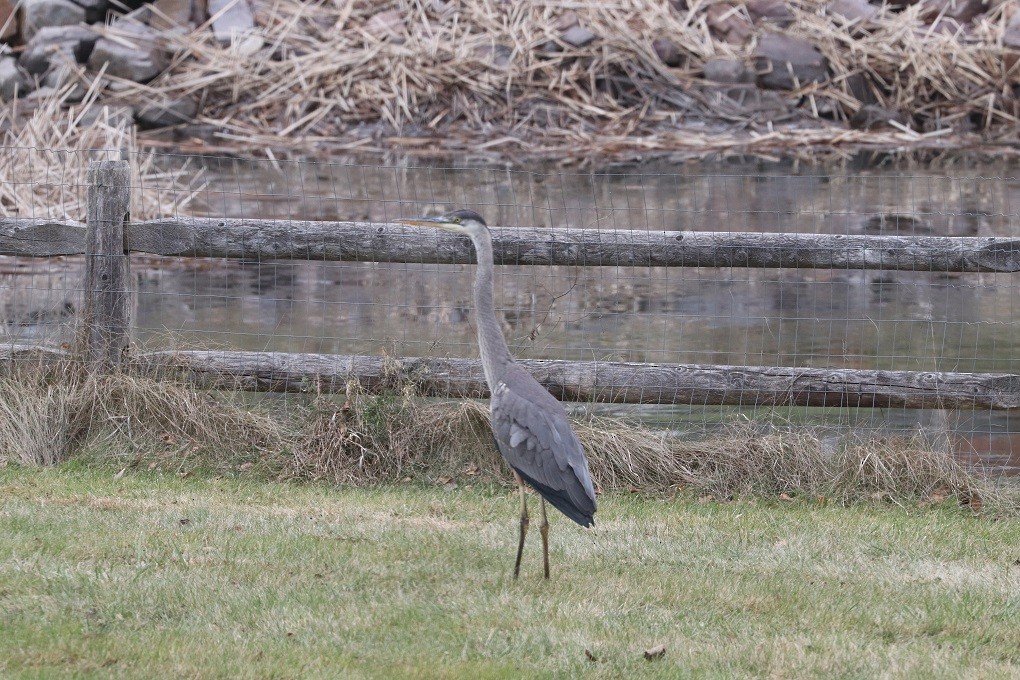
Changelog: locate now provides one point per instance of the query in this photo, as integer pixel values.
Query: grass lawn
(155, 576)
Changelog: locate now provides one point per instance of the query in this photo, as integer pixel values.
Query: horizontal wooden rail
(582, 381)
(362, 241)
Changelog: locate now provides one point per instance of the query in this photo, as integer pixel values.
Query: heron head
(459, 221)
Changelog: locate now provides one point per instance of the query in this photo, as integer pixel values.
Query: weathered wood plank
(105, 322)
(617, 382)
(361, 241)
(39, 237)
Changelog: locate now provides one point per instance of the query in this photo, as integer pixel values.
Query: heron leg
(524, 524)
(544, 529)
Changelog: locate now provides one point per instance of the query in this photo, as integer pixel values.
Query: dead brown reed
(48, 150)
(485, 75)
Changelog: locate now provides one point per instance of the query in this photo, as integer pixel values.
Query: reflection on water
(818, 318)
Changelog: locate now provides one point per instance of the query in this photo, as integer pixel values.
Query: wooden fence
(109, 236)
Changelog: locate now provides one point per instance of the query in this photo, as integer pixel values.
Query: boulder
(64, 76)
(170, 14)
(963, 11)
(786, 63)
(8, 22)
(577, 36)
(54, 44)
(13, 81)
(137, 58)
(37, 14)
(729, 22)
(853, 11)
(167, 112)
(775, 11)
(95, 10)
(233, 19)
(668, 53)
(721, 70)
(1011, 38)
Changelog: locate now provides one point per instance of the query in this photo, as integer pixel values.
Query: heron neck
(495, 353)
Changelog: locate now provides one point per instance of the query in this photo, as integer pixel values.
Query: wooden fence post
(105, 319)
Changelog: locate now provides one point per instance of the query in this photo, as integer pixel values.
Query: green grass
(153, 575)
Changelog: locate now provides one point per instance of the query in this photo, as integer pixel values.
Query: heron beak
(436, 222)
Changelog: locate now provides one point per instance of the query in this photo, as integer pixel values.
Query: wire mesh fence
(835, 317)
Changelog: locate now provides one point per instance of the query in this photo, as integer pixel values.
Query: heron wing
(534, 436)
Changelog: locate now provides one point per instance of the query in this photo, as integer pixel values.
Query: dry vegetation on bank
(47, 153)
(488, 76)
(51, 412)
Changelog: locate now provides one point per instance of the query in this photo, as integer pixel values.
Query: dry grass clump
(45, 152)
(478, 75)
(50, 410)
(53, 408)
(375, 438)
(750, 459)
(371, 438)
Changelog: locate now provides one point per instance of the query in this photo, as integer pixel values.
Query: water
(810, 318)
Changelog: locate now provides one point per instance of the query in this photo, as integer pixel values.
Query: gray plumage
(535, 438)
(530, 425)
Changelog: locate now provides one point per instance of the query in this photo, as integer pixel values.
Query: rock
(853, 11)
(963, 11)
(386, 25)
(8, 22)
(167, 112)
(565, 21)
(785, 63)
(497, 55)
(668, 53)
(141, 60)
(13, 81)
(95, 10)
(37, 14)
(234, 20)
(1011, 38)
(170, 14)
(873, 116)
(53, 44)
(775, 11)
(721, 70)
(577, 36)
(728, 22)
(65, 76)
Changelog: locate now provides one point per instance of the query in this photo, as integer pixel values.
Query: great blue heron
(529, 424)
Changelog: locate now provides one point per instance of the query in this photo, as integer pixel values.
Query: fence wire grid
(810, 318)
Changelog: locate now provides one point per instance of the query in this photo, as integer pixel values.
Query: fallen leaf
(120, 474)
(655, 652)
(591, 657)
(785, 497)
(152, 466)
(472, 470)
(185, 521)
(444, 480)
(245, 466)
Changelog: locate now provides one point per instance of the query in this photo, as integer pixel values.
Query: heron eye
(456, 220)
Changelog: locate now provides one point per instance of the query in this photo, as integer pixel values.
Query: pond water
(775, 317)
